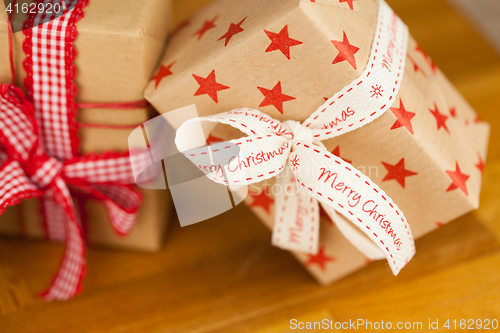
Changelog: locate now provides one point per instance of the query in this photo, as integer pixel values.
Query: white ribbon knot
(307, 173)
(300, 132)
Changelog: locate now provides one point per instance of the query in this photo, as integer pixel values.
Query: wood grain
(224, 276)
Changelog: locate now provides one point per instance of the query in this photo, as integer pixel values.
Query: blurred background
(223, 275)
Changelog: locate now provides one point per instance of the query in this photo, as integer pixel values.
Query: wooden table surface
(223, 275)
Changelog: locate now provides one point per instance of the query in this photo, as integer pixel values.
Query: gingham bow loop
(307, 173)
(28, 172)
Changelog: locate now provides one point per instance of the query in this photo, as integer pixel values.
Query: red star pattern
(209, 86)
(281, 41)
(336, 152)
(440, 118)
(453, 112)
(480, 164)
(233, 30)
(427, 58)
(319, 259)
(274, 97)
(403, 117)
(397, 172)
(458, 180)
(349, 2)
(213, 139)
(346, 51)
(416, 67)
(162, 73)
(207, 25)
(262, 200)
(181, 26)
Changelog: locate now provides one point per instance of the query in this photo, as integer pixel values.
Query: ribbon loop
(27, 171)
(273, 149)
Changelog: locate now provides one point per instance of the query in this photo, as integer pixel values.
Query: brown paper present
(286, 58)
(118, 46)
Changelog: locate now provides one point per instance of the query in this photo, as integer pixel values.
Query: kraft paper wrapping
(427, 152)
(286, 58)
(119, 43)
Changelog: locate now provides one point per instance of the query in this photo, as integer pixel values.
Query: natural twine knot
(301, 133)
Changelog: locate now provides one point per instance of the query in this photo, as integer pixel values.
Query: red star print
(281, 41)
(346, 51)
(207, 25)
(262, 200)
(213, 139)
(439, 224)
(336, 152)
(349, 2)
(209, 86)
(480, 164)
(397, 172)
(440, 118)
(453, 112)
(233, 30)
(319, 259)
(181, 26)
(427, 58)
(274, 97)
(162, 73)
(403, 117)
(416, 67)
(458, 180)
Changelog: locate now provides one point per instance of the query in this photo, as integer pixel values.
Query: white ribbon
(306, 171)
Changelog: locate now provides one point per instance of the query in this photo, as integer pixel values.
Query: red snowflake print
(376, 91)
(295, 162)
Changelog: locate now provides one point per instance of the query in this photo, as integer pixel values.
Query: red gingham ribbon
(41, 158)
(27, 171)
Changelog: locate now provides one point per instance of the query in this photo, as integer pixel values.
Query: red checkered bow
(27, 171)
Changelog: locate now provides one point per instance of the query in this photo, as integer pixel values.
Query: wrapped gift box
(286, 58)
(118, 46)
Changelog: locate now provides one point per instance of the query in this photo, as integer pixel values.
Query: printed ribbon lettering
(294, 153)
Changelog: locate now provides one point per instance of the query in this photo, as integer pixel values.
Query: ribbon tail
(296, 225)
(14, 185)
(122, 203)
(337, 184)
(353, 235)
(67, 282)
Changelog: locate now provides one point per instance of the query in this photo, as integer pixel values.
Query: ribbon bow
(294, 153)
(26, 171)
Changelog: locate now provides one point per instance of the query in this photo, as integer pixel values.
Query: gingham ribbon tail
(26, 171)
(309, 174)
